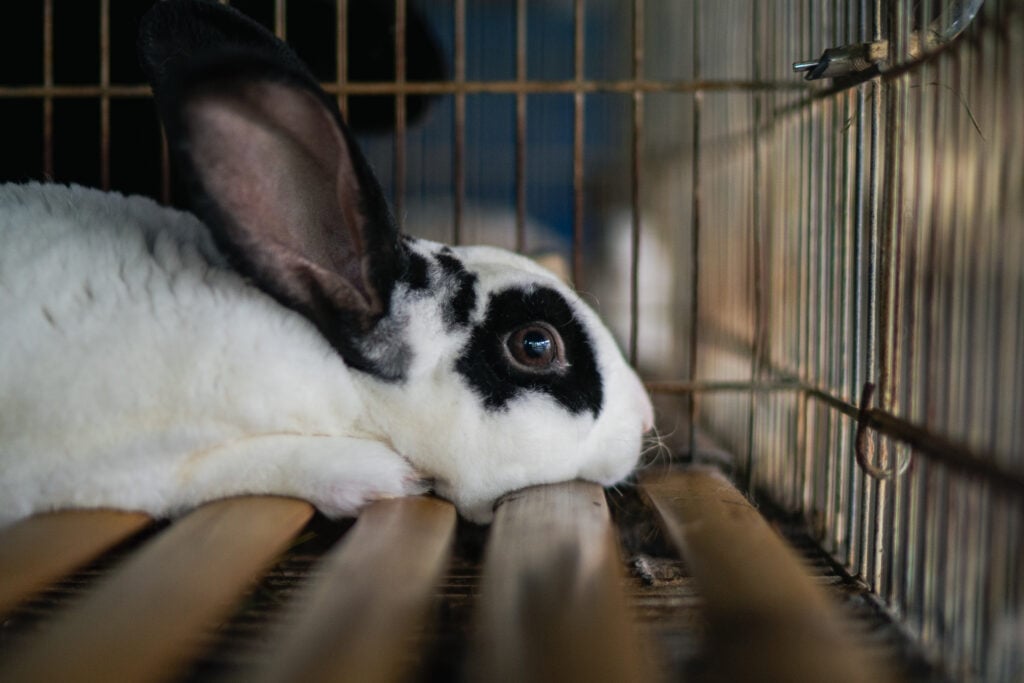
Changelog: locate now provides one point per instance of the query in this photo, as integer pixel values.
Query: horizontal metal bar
(36, 551)
(955, 455)
(768, 621)
(438, 88)
(683, 387)
(73, 91)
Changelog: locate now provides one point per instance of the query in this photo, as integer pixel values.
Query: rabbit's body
(137, 370)
(291, 341)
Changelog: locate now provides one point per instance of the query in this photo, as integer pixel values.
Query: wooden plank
(552, 605)
(767, 619)
(371, 597)
(144, 620)
(38, 550)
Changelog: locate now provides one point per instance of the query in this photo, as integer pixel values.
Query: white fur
(131, 377)
(138, 371)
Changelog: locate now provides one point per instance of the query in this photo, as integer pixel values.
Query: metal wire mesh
(876, 237)
(764, 248)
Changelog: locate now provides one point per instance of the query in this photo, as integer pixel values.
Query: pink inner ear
(273, 159)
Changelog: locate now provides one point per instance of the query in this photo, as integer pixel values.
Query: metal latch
(840, 61)
(946, 23)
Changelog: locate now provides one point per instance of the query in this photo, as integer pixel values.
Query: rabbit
(286, 339)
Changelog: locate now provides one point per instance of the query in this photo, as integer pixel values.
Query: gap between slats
(768, 621)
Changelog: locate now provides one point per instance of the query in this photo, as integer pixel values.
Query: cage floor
(664, 598)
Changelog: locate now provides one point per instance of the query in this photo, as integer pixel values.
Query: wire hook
(864, 448)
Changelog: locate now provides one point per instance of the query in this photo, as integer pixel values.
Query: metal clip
(840, 61)
(951, 20)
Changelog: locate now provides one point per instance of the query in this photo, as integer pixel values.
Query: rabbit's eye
(536, 347)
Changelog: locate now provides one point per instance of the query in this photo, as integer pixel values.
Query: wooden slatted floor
(678, 579)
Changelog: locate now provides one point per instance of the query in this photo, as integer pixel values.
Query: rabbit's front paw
(339, 475)
(359, 473)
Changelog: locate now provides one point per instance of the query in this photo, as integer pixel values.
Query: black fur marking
(486, 367)
(449, 263)
(460, 305)
(416, 272)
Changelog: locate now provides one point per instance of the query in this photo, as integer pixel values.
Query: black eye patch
(484, 362)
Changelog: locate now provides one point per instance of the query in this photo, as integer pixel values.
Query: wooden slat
(372, 595)
(146, 618)
(552, 606)
(38, 550)
(768, 621)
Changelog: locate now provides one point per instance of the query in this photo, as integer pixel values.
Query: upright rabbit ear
(272, 170)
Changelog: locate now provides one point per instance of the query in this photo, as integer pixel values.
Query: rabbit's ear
(291, 194)
(271, 169)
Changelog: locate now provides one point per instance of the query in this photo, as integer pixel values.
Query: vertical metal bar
(854, 480)
(577, 143)
(105, 96)
(977, 83)
(636, 182)
(803, 313)
(1010, 176)
(459, 164)
(870, 490)
(520, 170)
(965, 248)
(165, 168)
(905, 526)
(910, 593)
(280, 22)
(916, 538)
(698, 98)
(341, 55)
(400, 111)
(888, 310)
(757, 245)
(987, 383)
(48, 85)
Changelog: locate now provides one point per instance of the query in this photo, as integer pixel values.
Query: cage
(804, 221)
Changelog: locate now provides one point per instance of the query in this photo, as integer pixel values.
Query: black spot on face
(449, 263)
(416, 275)
(462, 301)
(487, 367)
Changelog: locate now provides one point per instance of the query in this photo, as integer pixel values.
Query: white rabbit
(292, 342)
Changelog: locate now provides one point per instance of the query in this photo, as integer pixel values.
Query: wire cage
(820, 271)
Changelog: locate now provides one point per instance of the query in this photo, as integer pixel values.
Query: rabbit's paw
(339, 475)
(361, 473)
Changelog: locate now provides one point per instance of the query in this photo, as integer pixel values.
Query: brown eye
(536, 347)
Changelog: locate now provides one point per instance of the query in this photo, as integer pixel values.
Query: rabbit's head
(481, 368)
(508, 379)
